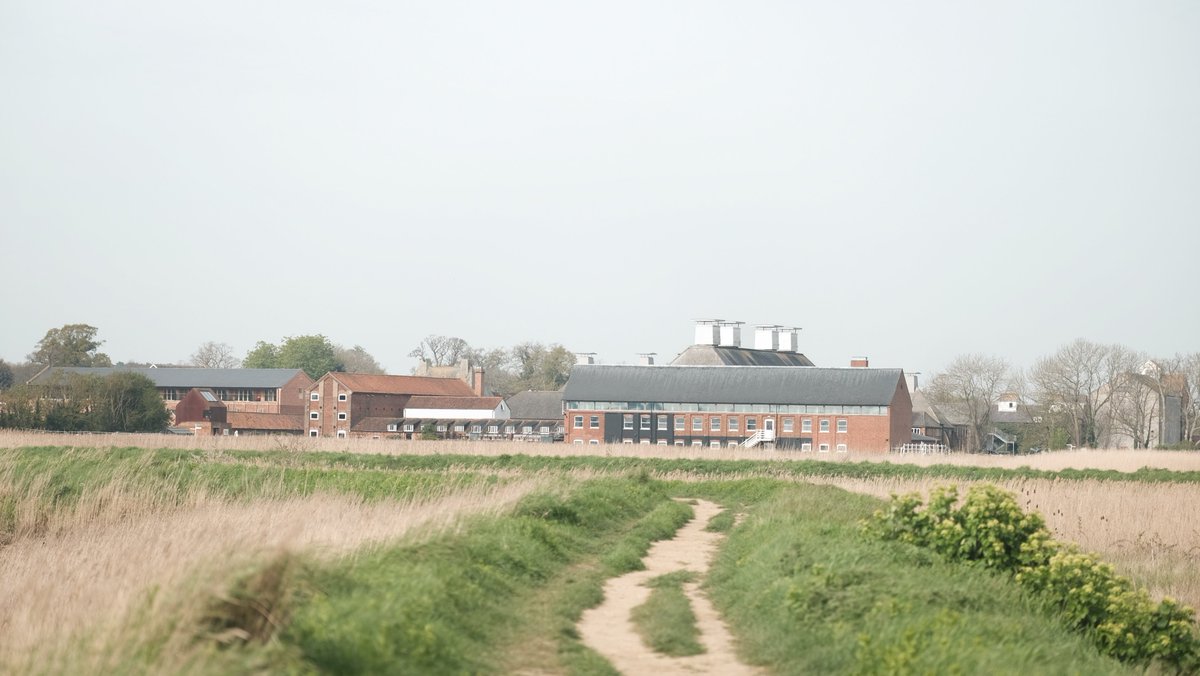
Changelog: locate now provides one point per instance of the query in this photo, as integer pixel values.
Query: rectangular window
(645, 442)
(697, 424)
(841, 448)
(715, 443)
(493, 429)
(312, 433)
(823, 448)
(441, 428)
(842, 425)
(579, 441)
(714, 424)
(644, 422)
(628, 421)
(545, 429)
(733, 423)
(697, 442)
(269, 395)
(342, 396)
(594, 422)
(662, 442)
(825, 426)
(627, 441)
(806, 426)
(407, 428)
(679, 442)
(578, 422)
(528, 429)
(392, 427)
(662, 423)
(789, 425)
(679, 423)
(460, 428)
(593, 442)
(733, 444)
(751, 424)
(341, 415)
(314, 396)
(916, 430)
(476, 428)
(314, 415)
(806, 447)
(509, 429)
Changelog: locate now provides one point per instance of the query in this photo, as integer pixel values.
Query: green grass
(805, 592)
(665, 621)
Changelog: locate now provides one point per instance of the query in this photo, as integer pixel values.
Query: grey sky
(908, 181)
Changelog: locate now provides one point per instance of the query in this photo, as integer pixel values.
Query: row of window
(724, 408)
(316, 396)
(714, 423)
(475, 429)
(176, 393)
(316, 415)
(714, 443)
(341, 434)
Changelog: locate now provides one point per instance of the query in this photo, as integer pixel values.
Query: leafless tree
(974, 382)
(441, 350)
(212, 355)
(1188, 368)
(1079, 380)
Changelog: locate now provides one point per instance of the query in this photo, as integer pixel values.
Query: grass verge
(665, 621)
(805, 592)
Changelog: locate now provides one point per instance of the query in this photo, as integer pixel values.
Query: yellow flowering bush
(991, 529)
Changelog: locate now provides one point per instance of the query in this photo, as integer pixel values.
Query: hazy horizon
(907, 182)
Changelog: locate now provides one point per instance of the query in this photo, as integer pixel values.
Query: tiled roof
(416, 385)
(536, 404)
(182, 377)
(472, 402)
(280, 422)
(734, 385)
(377, 424)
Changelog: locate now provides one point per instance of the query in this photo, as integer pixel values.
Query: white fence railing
(922, 448)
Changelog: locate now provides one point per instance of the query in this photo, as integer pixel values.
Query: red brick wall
(864, 433)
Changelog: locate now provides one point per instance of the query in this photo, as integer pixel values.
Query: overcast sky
(907, 181)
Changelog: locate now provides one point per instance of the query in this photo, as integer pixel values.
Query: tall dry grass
(1149, 531)
(1123, 460)
(123, 567)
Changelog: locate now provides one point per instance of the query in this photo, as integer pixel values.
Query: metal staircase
(758, 438)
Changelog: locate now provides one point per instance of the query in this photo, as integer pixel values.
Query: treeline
(508, 370)
(120, 402)
(1084, 394)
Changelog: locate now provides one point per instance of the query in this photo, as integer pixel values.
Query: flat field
(379, 556)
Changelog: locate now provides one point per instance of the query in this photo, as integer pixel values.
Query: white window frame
(314, 415)
(806, 447)
(341, 434)
(314, 396)
(441, 428)
(627, 441)
(714, 423)
(460, 428)
(697, 423)
(342, 396)
(789, 425)
(733, 444)
(662, 442)
(593, 442)
(734, 423)
(751, 424)
(644, 422)
(715, 443)
(843, 425)
(577, 421)
(680, 423)
(661, 423)
(823, 448)
(698, 442)
(825, 425)
(644, 442)
(493, 429)
(545, 429)
(627, 421)
(342, 415)
(579, 442)
(594, 422)
(391, 427)
(679, 442)
(409, 427)
(314, 432)
(841, 448)
(806, 425)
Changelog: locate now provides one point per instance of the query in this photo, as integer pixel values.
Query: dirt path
(608, 629)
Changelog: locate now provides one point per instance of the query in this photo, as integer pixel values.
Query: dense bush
(989, 528)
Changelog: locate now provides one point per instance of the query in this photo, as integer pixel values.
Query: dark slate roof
(536, 404)
(713, 355)
(183, 377)
(733, 385)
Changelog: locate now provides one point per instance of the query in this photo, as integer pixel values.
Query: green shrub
(989, 528)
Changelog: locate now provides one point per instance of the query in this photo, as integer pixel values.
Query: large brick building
(802, 408)
(356, 404)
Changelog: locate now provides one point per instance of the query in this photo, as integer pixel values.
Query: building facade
(823, 410)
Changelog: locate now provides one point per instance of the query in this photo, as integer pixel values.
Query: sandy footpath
(608, 629)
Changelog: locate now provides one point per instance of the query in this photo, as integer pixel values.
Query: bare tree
(1188, 368)
(1078, 381)
(441, 350)
(212, 355)
(975, 383)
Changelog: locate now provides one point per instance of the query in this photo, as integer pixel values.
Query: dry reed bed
(102, 569)
(1113, 459)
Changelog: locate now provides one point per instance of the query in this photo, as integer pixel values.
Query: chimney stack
(789, 340)
(859, 362)
(766, 337)
(708, 331)
(912, 381)
(731, 334)
(583, 358)
(478, 382)
(646, 358)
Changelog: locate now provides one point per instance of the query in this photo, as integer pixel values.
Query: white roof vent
(731, 334)
(789, 340)
(766, 337)
(646, 358)
(585, 357)
(708, 332)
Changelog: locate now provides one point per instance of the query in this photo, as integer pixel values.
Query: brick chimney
(859, 362)
(477, 384)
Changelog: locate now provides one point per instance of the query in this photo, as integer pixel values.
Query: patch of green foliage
(666, 621)
(805, 591)
(990, 529)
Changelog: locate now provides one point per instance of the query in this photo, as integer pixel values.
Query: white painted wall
(500, 413)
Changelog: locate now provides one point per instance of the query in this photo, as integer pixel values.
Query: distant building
(825, 410)
(356, 404)
(719, 343)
